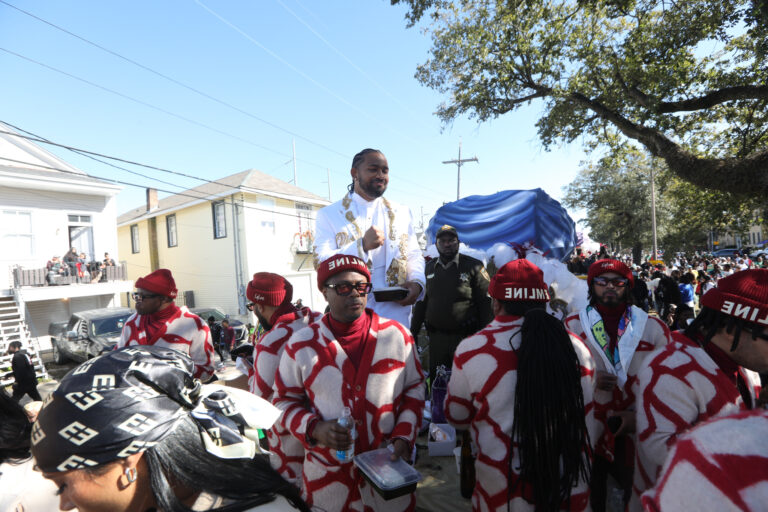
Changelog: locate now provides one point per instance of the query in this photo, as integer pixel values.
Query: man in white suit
(380, 232)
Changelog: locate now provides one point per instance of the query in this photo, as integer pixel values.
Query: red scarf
(154, 325)
(351, 336)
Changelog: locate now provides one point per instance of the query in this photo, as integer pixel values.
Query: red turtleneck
(154, 324)
(351, 336)
(611, 316)
(285, 309)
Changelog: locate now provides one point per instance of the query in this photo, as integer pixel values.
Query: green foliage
(687, 79)
(615, 192)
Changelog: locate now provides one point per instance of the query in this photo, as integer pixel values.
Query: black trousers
(618, 469)
(19, 390)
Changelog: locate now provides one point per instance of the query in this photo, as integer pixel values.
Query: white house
(46, 207)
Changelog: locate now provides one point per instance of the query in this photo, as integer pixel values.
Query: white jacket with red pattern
(481, 396)
(286, 452)
(316, 380)
(183, 331)
(719, 465)
(680, 387)
(647, 334)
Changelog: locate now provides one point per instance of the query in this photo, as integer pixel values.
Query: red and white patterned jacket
(316, 380)
(719, 465)
(481, 396)
(681, 386)
(649, 335)
(183, 331)
(287, 453)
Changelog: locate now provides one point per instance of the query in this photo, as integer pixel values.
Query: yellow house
(214, 237)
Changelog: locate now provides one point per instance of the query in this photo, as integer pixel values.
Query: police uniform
(456, 305)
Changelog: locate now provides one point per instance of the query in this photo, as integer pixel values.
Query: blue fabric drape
(509, 216)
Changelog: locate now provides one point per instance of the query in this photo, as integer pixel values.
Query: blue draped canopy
(510, 216)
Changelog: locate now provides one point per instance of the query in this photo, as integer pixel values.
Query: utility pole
(458, 163)
(328, 173)
(294, 162)
(653, 212)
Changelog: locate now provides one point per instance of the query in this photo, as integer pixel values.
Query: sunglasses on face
(345, 288)
(250, 306)
(618, 282)
(144, 296)
(760, 334)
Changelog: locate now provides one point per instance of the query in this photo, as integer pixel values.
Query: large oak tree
(688, 79)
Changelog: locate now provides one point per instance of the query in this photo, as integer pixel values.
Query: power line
(141, 102)
(154, 107)
(291, 66)
(83, 152)
(343, 56)
(138, 185)
(37, 138)
(177, 82)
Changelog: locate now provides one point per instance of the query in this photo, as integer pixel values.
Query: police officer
(456, 302)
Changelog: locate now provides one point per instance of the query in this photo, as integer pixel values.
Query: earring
(131, 474)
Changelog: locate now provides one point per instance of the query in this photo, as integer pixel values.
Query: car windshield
(215, 313)
(109, 325)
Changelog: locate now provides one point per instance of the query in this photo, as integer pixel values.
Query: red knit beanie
(269, 289)
(337, 264)
(743, 295)
(601, 267)
(519, 280)
(160, 281)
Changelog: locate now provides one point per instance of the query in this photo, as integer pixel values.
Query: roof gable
(250, 181)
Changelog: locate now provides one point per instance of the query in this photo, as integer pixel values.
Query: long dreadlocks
(549, 426)
(709, 321)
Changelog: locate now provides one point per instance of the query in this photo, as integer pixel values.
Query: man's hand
(414, 290)
(332, 435)
(605, 381)
(401, 450)
(628, 422)
(373, 239)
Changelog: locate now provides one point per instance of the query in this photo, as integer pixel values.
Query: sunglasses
(250, 306)
(144, 296)
(345, 288)
(750, 328)
(618, 282)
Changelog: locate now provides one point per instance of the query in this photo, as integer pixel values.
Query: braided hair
(549, 425)
(709, 321)
(357, 160)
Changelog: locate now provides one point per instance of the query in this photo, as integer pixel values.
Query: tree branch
(743, 176)
(709, 100)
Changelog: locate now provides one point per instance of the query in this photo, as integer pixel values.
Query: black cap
(446, 229)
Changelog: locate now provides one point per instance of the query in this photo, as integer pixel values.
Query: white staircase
(14, 328)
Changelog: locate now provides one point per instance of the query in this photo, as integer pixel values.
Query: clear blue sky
(337, 73)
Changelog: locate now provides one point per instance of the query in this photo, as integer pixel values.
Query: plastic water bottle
(348, 423)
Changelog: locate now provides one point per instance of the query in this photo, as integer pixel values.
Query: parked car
(726, 252)
(760, 252)
(241, 333)
(87, 334)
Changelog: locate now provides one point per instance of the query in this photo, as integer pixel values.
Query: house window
(303, 237)
(170, 228)
(16, 234)
(84, 219)
(266, 214)
(219, 220)
(135, 238)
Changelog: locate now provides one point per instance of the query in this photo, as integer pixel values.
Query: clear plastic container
(391, 479)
